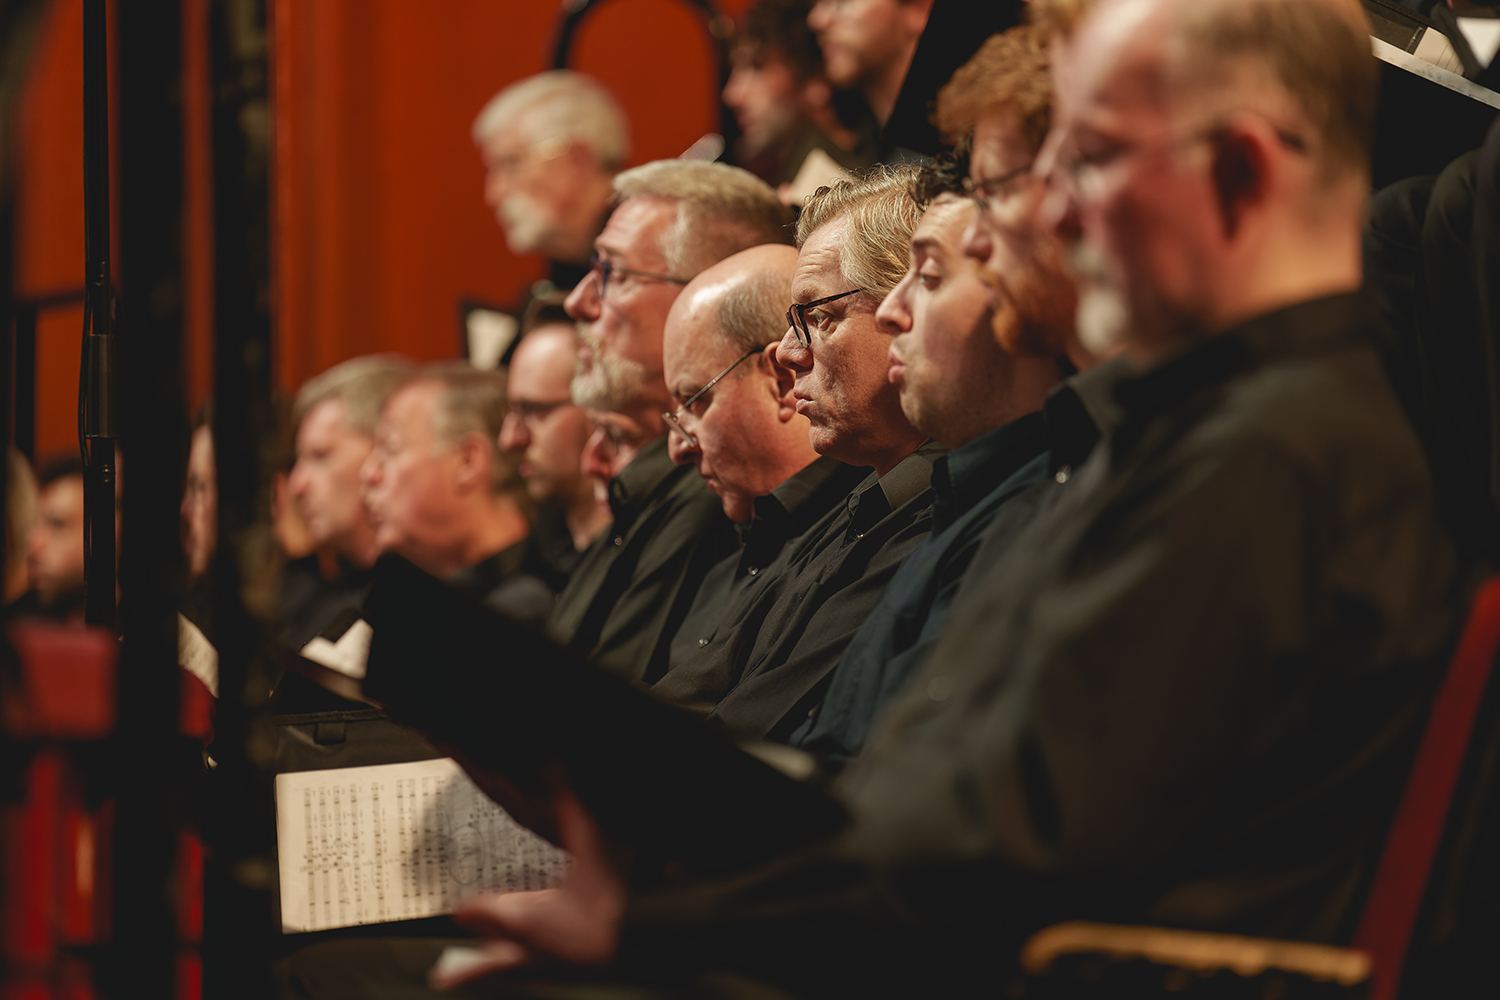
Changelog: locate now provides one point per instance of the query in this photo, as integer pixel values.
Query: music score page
(363, 845)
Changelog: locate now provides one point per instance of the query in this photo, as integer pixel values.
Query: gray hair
(882, 216)
(752, 312)
(561, 104)
(363, 383)
(721, 210)
(473, 401)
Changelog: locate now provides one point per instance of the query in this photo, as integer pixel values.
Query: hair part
(363, 383)
(561, 104)
(721, 210)
(880, 209)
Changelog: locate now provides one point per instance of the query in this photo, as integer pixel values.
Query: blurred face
(324, 483)
(1129, 189)
(54, 550)
(762, 92)
(944, 359)
(859, 38)
(543, 426)
(410, 477)
(1034, 300)
(200, 504)
(531, 187)
(841, 384)
(614, 442)
(626, 319)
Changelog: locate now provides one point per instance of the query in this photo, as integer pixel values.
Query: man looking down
(633, 586)
(737, 423)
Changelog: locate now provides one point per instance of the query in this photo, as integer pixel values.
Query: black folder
(516, 706)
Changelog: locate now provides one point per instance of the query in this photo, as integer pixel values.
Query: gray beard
(609, 384)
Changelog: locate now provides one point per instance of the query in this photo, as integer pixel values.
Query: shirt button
(1064, 474)
(859, 536)
(619, 539)
(703, 642)
(753, 570)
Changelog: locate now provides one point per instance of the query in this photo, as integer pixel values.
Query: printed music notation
(364, 845)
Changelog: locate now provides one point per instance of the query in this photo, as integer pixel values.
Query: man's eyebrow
(925, 244)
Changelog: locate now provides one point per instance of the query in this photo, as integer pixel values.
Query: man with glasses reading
(737, 423)
(766, 664)
(633, 586)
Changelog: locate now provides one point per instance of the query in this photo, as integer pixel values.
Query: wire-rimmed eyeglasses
(991, 188)
(674, 420)
(606, 269)
(796, 316)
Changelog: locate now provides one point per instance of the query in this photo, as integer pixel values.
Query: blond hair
(721, 210)
(882, 216)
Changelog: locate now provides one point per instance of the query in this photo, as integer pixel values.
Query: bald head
(742, 432)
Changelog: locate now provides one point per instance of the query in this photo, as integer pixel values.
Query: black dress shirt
(635, 584)
(309, 601)
(1187, 696)
(1000, 469)
(763, 671)
(781, 515)
(552, 555)
(505, 583)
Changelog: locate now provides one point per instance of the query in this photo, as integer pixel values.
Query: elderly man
(764, 668)
(547, 431)
(551, 145)
(335, 415)
(630, 593)
(1190, 701)
(736, 422)
(443, 495)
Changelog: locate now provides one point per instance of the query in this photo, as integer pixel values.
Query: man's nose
(582, 302)
(680, 447)
(369, 472)
(793, 353)
(514, 434)
(893, 317)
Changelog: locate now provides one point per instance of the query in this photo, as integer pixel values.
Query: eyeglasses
(675, 419)
(796, 316)
(533, 411)
(993, 188)
(607, 269)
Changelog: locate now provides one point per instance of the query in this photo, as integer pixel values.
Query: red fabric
(196, 714)
(29, 939)
(1401, 880)
(68, 682)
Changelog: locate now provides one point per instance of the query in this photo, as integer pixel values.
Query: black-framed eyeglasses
(674, 420)
(796, 316)
(993, 187)
(607, 269)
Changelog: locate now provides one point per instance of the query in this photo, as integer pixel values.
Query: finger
(458, 966)
(500, 913)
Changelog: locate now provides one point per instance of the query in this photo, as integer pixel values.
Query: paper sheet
(363, 845)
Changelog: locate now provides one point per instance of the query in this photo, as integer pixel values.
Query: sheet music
(364, 845)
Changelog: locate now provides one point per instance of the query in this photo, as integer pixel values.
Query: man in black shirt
(630, 592)
(443, 495)
(1189, 697)
(738, 425)
(763, 668)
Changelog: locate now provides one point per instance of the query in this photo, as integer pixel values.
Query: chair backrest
(1390, 914)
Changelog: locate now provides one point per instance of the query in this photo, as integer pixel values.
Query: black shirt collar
(961, 478)
(478, 580)
(877, 496)
(640, 480)
(1081, 409)
(793, 507)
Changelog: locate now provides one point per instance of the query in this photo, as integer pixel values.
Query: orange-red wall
(380, 228)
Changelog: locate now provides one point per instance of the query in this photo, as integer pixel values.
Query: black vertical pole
(154, 762)
(96, 382)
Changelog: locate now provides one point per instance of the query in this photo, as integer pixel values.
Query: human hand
(578, 922)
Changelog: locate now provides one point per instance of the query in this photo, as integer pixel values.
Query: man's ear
(785, 380)
(1241, 171)
(474, 457)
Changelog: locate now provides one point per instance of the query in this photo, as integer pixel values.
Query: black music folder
(512, 706)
